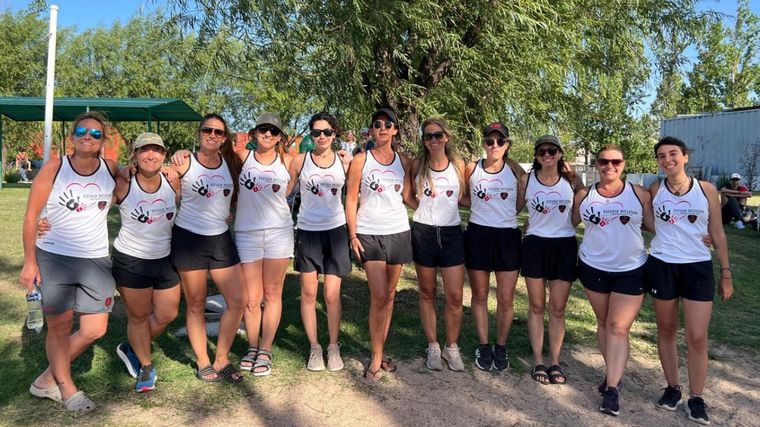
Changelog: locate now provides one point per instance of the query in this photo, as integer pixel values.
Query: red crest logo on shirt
(226, 192)
(275, 187)
(102, 204)
(503, 195)
(624, 219)
(334, 191)
(449, 193)
(109, 301)
(169, 215)
(562, 208)
(692, 218)
(397, 187)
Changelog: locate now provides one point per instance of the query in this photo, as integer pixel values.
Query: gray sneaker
(316, 361)
(334, 361)
(434, 357)
(451, 355)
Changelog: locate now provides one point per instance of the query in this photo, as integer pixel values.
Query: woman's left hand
(726, 287)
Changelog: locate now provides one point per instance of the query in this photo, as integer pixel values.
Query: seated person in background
(23, 164)
(733, 200)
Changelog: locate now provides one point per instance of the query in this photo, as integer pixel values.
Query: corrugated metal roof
(32, 109)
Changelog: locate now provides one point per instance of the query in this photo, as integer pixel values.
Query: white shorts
(274, 243)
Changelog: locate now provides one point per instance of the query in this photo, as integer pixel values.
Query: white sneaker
(451, 355)
(740, 225)
(434, 357)
(334, 361)
(316, 361)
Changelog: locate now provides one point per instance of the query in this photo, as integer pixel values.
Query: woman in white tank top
(322, 240)
(383, 178)
(685, 209)
(492, 242)
(206, 198)
(611, 260)
(437, 241)
(82, 207)
(549, 251)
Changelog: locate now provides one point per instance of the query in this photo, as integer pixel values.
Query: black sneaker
(696, 409)
(500, 357)
(671, 398)
(610, 405)
(603, 386)
(484, 357)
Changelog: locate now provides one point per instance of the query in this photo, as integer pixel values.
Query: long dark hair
(234, 164)
(565, 172)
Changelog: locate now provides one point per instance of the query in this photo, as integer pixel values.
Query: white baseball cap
(736, 176)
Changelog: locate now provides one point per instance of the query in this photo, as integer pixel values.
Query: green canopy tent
(32, 109)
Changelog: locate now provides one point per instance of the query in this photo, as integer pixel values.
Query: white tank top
(381, 205)
(262, 202)
(612, 239)
(321, 191)
(550, 208)
(680, 222)
(439, 205)
(206, 197)
(77, 209)
(493, 197)
(146, 221)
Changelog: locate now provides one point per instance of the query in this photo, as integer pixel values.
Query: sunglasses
(552, 151)
(377, 124)
(316, 132)
(94, 133)
(613, 162)
(491, 141)
(208, 131)
(430, 136)
(268, 128)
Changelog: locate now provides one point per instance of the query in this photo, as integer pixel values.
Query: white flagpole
(50, 85)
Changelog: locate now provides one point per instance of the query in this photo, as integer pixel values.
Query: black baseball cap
(496, 127)
(547, 139)
(385, 111)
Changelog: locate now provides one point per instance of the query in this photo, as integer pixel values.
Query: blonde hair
(423, 172)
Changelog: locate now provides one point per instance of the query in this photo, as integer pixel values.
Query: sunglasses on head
(94, 133)
(613, 162)
(437, 135)
(377, 124)
(209, 130)
(316, 132)
(544, 151)
(268, 128)
(491, 141)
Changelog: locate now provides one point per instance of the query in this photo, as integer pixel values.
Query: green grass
(101, 373)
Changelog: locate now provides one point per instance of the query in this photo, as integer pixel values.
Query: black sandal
(556, 376)
(230, 374)
(370, 376)
(202, 373)
(388, 365)
(540, 375)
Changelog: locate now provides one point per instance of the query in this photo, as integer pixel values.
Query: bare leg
(666, 313)
(274, 279)
(453, 285)
(537, 305)
(427, 280)
(309, 287)
(230, 283)
(254, 285)
(195, 289)
(622, 312)
(600, 304)
(559, 291)
(139, 308)
(334, 307)
(506, 281)
(697, 318)
(381, 298)
(392, 272)
(479, 302)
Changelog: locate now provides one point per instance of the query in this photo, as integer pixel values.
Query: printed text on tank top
(488, 189)
(441, 184)
(323, 183)
(257, 180)
(604, 213)
(380, 180)
(545, 202)
(674, 212)
(207, 185)
(148, 212)
(78, 197)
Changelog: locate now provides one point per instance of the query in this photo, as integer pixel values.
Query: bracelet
(352, 238)
(726, 268)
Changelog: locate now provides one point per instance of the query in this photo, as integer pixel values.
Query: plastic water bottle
(34, 320)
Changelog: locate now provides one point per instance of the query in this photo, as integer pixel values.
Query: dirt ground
(417, 396)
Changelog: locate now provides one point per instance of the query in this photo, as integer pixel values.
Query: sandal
(246, 362)
(53, 393)
(266, 364)
(230, 374)
(388, 365)
(203, 373)
(556, 376)
(540, 375)
(80, 403)
(372, 377)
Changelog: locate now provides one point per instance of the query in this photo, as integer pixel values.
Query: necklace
(676, 191)
(611, 192)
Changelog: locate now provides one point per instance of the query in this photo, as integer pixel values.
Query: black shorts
(191, 251)
(325, 252)
(621, 282)
(550, 258)
(391, 248)
(138, 273)
(491, 248)
(437, 246)
(693, 281)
